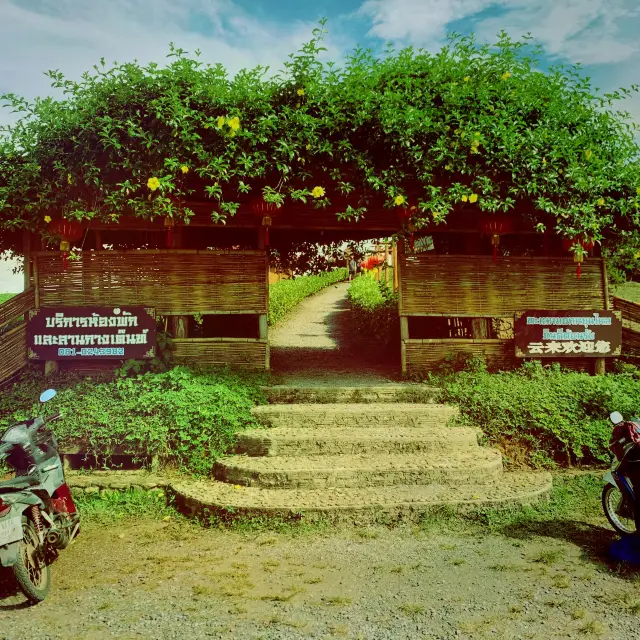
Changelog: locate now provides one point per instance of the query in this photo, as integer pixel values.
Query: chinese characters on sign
(91, 332)
(562, 334)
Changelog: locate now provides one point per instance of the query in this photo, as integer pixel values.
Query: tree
(471, 125)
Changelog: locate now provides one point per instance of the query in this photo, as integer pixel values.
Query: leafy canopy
(470, 126)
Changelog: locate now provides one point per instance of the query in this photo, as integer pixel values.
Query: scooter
(38, 517)
(618, 495)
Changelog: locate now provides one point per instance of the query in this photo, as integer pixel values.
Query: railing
(13, 333)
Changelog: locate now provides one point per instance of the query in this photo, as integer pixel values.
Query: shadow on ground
(593, 540)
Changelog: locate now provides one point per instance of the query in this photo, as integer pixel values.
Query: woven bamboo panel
(476, 286)
(175, 282)
(630, 342)
(17, 306)
(428, 355)
(630, 310)
(13, 351)
(238, 352)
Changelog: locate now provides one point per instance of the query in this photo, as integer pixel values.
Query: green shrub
(374, 313)
(185, 417)
(285, 295)
(546, 414)
(6, 296)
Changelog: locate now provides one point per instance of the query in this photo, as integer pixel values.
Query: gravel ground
(312, 346)
(150, 579)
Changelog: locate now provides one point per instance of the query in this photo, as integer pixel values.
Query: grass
(628, 291)
(5, 296)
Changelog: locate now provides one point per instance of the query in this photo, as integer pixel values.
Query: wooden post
(386, 263)
(600, 365)
(36, 283)
(26, 250)
(479, 328)
(264, 318)
(394, 261)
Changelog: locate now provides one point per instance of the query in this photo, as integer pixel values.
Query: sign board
(568, 334)
(422, 244)
(91, 333)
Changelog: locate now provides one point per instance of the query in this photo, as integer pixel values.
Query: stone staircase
(361, 455)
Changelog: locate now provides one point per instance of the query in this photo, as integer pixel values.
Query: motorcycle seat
(18, 483)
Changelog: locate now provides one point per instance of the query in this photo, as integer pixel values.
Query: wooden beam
(600, 365)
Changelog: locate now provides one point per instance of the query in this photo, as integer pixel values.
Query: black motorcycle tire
(35, 593)
(605, 507)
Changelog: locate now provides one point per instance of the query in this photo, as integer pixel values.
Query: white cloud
(421, 22)
(588, 31)
(72, 36)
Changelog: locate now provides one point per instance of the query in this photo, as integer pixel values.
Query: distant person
(353, 268)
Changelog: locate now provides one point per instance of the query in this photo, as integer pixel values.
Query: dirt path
(313, 346)
(154, 579)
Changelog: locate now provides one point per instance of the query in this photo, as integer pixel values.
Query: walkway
(313, 346)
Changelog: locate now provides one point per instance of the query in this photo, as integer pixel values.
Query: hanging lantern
(265, 210)
(586, 245)
(405, 215)
(495, 226)
(69, 231)
(169, 222)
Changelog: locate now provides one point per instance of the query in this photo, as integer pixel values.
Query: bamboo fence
(476, 287)
(13, 333)
(630, 326)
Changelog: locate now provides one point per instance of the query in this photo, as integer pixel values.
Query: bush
(543, 416)
(374, 313)
(187, 418)
(285, 295)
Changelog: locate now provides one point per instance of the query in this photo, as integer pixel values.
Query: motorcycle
(38, 517)
(618, 494)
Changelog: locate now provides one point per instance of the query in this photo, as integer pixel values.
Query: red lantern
(586, 245)
(69, 231)
(495, 226)
(265, 210)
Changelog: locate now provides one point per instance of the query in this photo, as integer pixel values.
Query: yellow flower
(448, 167)
(234, 123)
(464, 198)
(153, 183)
(317, 192)
(637, 255)
(638, 191)
(467, 78)
(506, 74)
(473, 197)
(588, 154)
(399, 200)
(307, 147)
(300, 92)
(600, 201)
(47, 219)
(69, 178)
(559, 170)
(184, 168)
(221, 122)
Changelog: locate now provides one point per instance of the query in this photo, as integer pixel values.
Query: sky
(73, 35)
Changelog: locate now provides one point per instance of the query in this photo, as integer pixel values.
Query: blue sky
(72, 35)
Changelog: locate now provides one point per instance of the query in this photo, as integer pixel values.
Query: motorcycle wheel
(611, 504)
(31, 572)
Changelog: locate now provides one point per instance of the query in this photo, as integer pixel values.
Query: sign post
(568, 334)
(91, 333)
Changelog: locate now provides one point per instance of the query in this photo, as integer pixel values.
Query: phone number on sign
(113, 351)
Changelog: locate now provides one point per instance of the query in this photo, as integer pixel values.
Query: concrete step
(327, 394)
(355, 415)
(316, 472)
(384, 505)
(297, 441)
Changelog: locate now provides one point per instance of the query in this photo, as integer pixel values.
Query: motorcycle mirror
(47, 395)
(616, 417)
